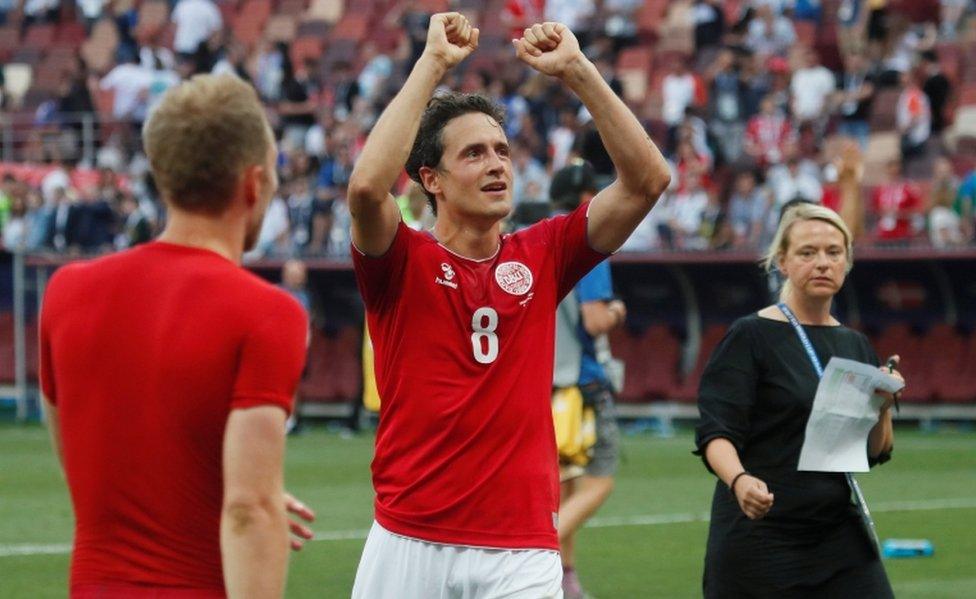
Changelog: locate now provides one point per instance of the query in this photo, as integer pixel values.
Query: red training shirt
(145, 353)
(465, 451)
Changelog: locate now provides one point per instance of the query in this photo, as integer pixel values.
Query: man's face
(474, 177)
(266, 185)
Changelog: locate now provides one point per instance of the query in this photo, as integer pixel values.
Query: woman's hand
(889, 398)
(753, 496)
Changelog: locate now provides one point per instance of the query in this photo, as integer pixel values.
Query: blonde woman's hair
(201, 137)
(804, 211)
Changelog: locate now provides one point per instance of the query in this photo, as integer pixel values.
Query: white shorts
(397, 567)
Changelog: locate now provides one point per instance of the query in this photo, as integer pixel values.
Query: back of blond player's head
(201, 137)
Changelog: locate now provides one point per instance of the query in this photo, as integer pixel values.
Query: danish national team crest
(514, 277)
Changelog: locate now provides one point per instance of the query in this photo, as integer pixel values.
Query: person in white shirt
(130, 83)
(196, 21)
(678, 93)
(769, 34)
(811, 87)
(795, 180)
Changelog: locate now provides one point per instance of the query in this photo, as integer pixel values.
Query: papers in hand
(844, 411)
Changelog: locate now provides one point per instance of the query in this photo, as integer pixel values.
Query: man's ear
(251, 181)
(430, 179)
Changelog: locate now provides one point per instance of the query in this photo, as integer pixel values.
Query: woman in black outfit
(776, 531)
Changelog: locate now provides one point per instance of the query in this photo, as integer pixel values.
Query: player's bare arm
(642, 173)
(375, 216)
(253, 525)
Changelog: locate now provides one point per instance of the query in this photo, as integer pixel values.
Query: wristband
(734, 480)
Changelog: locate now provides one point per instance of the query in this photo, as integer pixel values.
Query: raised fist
(450, 38)
(549, 48)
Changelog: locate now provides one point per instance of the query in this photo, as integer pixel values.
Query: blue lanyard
(859, 501)
(804, 340)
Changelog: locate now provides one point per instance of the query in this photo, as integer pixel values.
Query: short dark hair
(428, 147)
(570, 183)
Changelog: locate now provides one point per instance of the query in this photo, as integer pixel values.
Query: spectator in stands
(335, 169)
(913, 115)
(904, 42)
(769, 33)
(135, 227)
(377, 69)
(41, 11)
(726, 105)
(297, 100)
(678, 91)
(795, 179)
(853, 98)
(755, 396)
(316, 139)
(15, 225)
(747, 206)
(691, 163)
(231, 58)
(896, 204)
(965, 206)
(944, 224)
(59, 221)
(414, 208)
(274, 238)
(8, 190)
(686, 215)
(937, 89)
(129, 84)
(810, 88)
(561, 139)
(709, 19)
(769, 135)
(950, 15)
(196, 22)
(530, 179)
(345, 89)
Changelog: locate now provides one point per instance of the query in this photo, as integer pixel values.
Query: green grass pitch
(647, 541)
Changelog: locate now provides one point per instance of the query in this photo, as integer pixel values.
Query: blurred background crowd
(867, 106)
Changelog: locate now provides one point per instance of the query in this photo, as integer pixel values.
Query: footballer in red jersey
(168, 372)
(462, 321)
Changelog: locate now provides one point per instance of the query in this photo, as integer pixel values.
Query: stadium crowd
(752, 105)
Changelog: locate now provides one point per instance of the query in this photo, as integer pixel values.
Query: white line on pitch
(606, 522)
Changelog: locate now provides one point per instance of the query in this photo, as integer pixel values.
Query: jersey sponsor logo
(514, 277)
(449, 274)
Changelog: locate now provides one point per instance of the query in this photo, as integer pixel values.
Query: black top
(757, 391)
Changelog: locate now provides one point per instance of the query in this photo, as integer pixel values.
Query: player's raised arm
(375, 215)
(642, 173)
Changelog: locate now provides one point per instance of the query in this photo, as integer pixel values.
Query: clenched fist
(450, 38)
(549, 48)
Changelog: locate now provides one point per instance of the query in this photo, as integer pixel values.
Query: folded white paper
(844, 411)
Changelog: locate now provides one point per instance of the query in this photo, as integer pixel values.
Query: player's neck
(204, 232)
(467, 239)
(811, 310)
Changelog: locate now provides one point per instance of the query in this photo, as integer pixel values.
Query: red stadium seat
(660, 353)
(319, 384)
(688, 390)
(305, 48)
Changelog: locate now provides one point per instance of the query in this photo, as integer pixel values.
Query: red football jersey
(465, 451)
(145, 353)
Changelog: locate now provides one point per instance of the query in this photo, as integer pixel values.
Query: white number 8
(486, 332)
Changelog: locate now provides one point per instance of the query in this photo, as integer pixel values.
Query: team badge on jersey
(514, 277)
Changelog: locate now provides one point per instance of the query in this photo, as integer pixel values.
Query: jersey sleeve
(596, 285)
(573, 255)
(379, 278)
(727, 391)
(272, 357)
